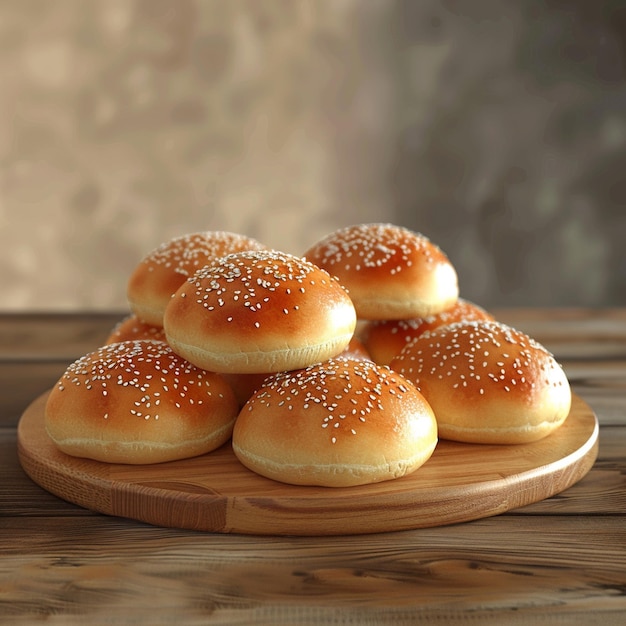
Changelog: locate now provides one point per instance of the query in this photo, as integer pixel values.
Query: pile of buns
(343, 366)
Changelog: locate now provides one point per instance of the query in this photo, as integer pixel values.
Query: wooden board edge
(253, 515)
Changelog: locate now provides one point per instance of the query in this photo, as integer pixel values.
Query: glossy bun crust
(487, 382)
(390, 272)
(339, 423)
(132, 328)
(166, 268)
(384, 339)
(258, 312)
(138, 402)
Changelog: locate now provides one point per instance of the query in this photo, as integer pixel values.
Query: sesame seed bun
(487, 382)
(339, 423)
(138, 402)
(257, 312)
(132, 328)
(390, 272)
(165, 269)
(384, 339)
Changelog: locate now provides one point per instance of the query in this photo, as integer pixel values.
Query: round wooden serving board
(215, 493)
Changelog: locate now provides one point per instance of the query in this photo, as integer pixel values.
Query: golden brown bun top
(477, 360)
(132, 328)
(385, 338)
(110, 375)
(253, 311)
(338, 423)
(350, 390)
(162, 271)
(389, 271)
(461, 311)
(138, 402)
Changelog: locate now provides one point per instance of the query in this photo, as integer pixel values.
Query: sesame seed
(335, 385)
(423, 358)
(130, 364)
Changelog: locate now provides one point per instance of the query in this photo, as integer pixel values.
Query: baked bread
(259, 312)
(339, 423)
(384, 339)
(487, 382)
(389, 271)
(131, 328)
(165, 269)
(138, 402)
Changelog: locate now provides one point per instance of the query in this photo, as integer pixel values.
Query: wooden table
(559, 561)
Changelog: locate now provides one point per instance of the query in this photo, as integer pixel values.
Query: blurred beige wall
(125, 123)
(496, 128)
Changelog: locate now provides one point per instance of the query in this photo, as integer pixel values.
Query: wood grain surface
(558, 561)
(214, 492)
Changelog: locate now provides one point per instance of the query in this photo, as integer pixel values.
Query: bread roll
(390, 272)
(258, 312)
(132, 328)
(138, 402)
(487, 382)
(166, 268)
(384, 339)
(339, 423)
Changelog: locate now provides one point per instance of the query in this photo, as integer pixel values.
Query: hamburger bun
(132, 328)
(487, 382)
(165, 269)
(138, 402)
(259, 312)
(384, 339)
(390, 272)
(339, 423)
